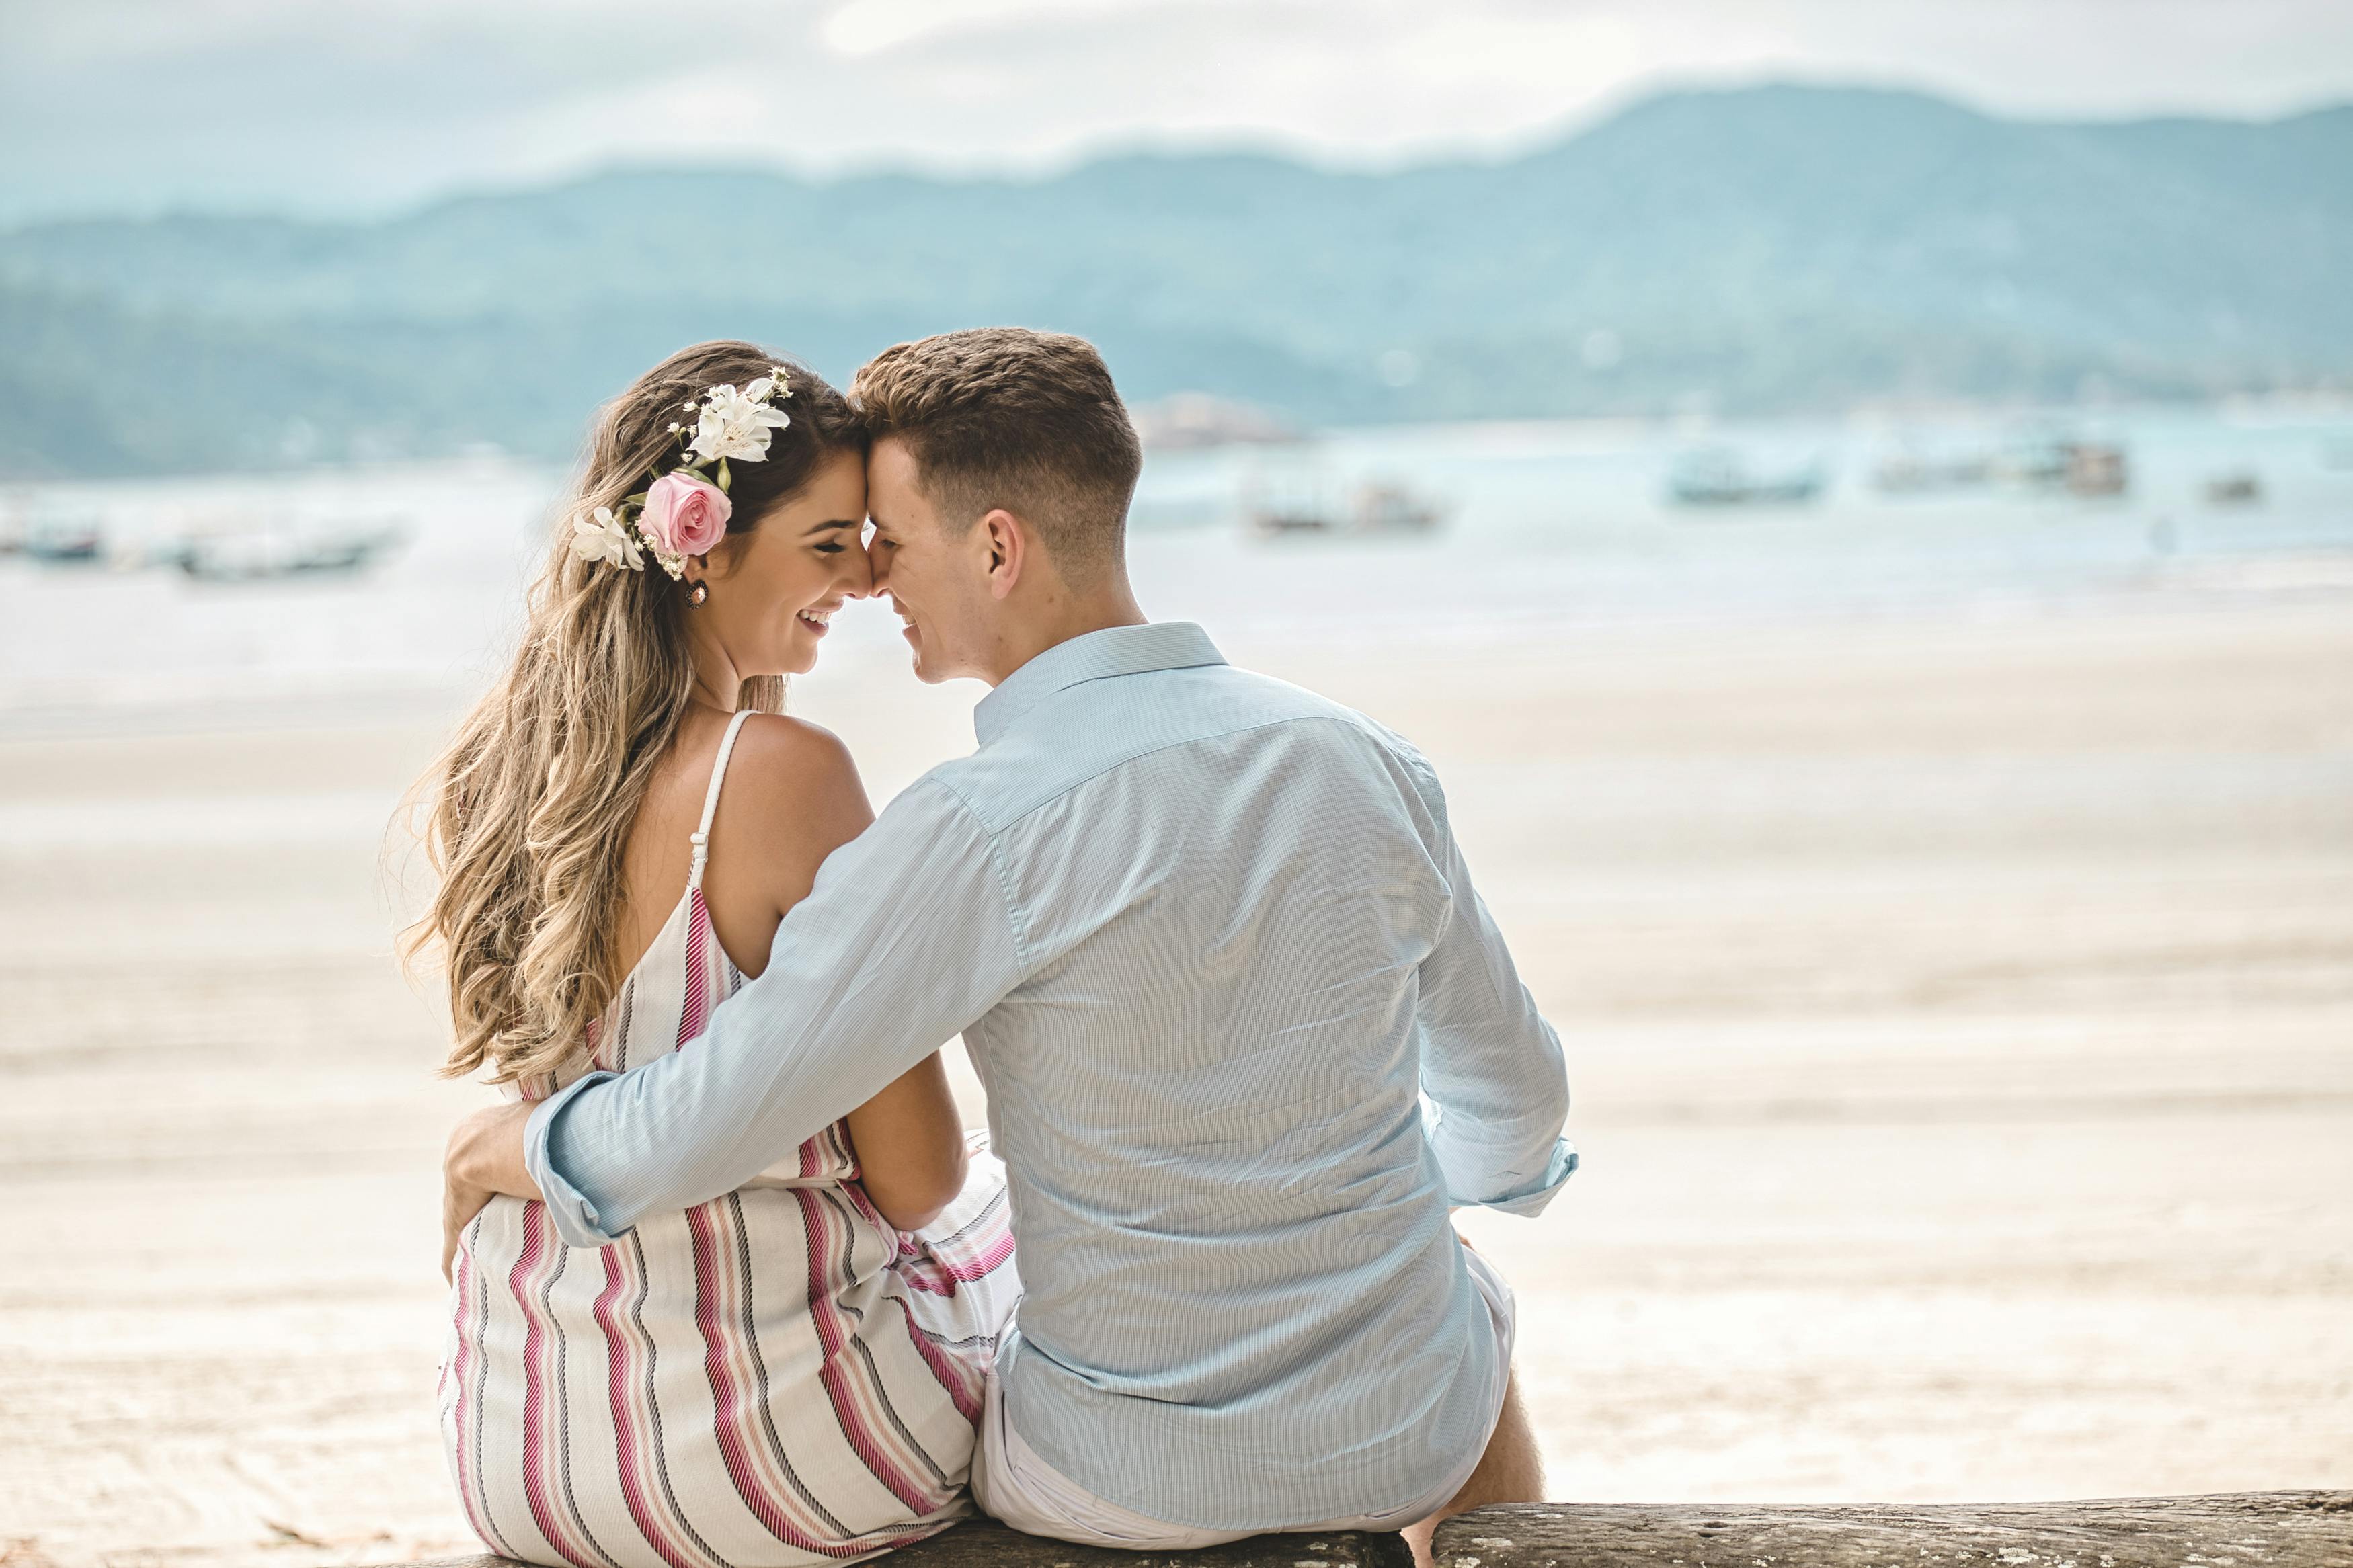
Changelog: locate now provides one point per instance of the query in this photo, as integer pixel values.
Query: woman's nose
(857, 573)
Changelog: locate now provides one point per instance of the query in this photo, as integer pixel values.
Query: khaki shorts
(1013, 1484)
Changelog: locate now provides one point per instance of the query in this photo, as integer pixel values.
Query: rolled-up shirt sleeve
(906, 938)
(1495, 1087)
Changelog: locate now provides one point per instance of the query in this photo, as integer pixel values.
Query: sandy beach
(1959, 1008)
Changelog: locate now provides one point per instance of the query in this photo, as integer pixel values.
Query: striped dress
(774, 1377)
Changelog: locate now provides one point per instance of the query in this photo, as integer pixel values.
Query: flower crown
(684, 512)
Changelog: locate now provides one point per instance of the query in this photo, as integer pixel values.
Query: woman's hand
(484, 1161)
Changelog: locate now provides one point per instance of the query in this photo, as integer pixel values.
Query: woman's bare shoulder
(791, 761)
(784, 748)
(792, 796)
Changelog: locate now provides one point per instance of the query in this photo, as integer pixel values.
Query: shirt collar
(1097, 655)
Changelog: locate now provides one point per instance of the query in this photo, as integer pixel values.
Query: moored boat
(2239, 487)
(1306, 504)
(268, 555)
(1719, 476)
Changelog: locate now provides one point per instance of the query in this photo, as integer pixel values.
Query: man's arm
(906, 938)
(1491, 1065)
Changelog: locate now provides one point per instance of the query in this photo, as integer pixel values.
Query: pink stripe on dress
(734, 1392)
(696, 1009)
(854, 1403)
(976, 1267)
(961, 1381)
(541, 1261)
(637, 1421)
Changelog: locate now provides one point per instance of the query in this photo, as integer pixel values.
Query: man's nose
(878, 569)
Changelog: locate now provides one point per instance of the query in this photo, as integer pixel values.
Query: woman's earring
(700, 592)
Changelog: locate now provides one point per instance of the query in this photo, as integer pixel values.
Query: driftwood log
(2247, 1530)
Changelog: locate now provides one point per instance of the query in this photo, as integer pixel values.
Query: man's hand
(484, 1161)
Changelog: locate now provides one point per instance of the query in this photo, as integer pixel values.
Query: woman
(790, 1373)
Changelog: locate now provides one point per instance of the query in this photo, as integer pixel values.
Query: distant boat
(2239, 487)
(1192, 421)
(2096, 469)
(1385, 507)
(1718, 477)
(2036, 461)
(1910, 473)
(65, 544)
(264, 556)
(1275, 522)
(1307, 506)
(2079, 466)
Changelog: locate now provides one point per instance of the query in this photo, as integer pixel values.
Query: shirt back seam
(1017, 927)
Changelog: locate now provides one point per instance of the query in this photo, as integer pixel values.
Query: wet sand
(1960, 1013)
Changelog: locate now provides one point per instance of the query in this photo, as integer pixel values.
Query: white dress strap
(702, 836)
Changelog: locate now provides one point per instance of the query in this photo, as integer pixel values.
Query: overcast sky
(329, 106)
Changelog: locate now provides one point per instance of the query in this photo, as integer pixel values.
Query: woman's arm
(910, 1137)
(910, 1144)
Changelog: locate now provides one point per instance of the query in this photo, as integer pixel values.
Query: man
(1247, 1031)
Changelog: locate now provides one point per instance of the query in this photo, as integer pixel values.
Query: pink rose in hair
(684, 515)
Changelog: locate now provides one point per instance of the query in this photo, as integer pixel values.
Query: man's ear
(1008, 551)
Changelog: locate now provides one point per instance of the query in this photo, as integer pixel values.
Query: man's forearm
(1490, 1064)
(1498, 1140)
(692, 1123)
(904, 939)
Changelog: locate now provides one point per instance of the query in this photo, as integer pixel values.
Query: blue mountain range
(1758, 250)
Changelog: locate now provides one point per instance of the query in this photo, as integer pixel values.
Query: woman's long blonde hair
(530, 808)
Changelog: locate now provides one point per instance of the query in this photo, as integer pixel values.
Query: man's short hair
(1004, 416)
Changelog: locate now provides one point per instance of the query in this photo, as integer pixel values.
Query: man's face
(938, 584)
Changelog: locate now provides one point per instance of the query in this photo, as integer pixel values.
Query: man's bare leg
(1511, 1470)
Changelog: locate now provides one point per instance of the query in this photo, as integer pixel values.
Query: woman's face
(773, 589)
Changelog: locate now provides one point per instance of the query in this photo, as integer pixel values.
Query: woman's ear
(716, 564)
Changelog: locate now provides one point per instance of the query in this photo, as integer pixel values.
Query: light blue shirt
(1247, 1033)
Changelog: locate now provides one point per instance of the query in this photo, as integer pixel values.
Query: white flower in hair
(737, 423)
(683, 510)
(605, 537)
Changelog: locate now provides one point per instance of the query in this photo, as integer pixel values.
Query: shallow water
(1549, 526)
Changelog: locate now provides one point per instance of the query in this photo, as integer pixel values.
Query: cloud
(110, 105)
(872, 27)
